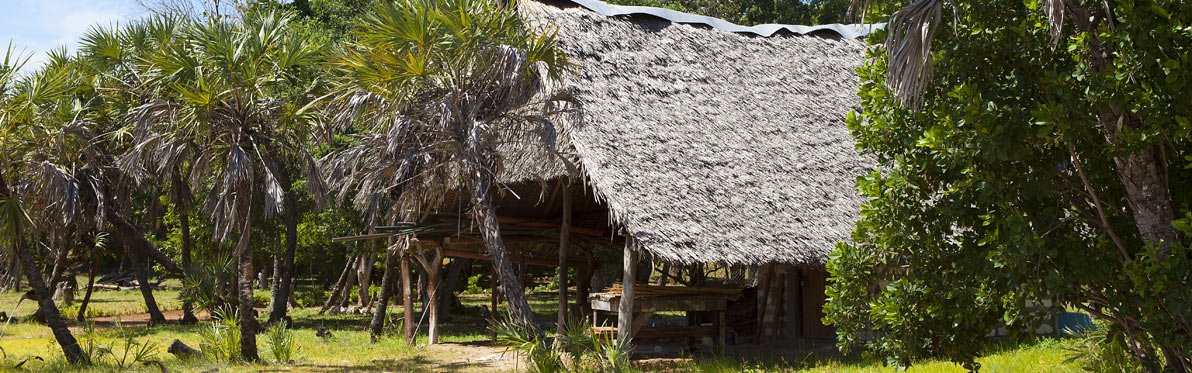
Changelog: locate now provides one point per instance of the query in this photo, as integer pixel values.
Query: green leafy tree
(1030, 157)
(433, 87)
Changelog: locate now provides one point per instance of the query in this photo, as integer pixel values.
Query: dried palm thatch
(710, 146)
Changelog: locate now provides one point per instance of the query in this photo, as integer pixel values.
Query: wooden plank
(662, 332)
(625, 311)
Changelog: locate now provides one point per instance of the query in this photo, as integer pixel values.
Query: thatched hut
(700, 142)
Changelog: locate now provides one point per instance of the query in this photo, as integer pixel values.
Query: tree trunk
(1143, 173)
(333, 299)
(486, 217)
(142, 275)
(248, 322)
(364, 274)
(45, 305)
(286, 284)
(391, 258)
(625, 308)
(182, 207)
(447, 298)
(90, 285)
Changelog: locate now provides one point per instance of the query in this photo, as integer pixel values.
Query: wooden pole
(564, 235)
(407, 297)
(432, 274)
(625, 309)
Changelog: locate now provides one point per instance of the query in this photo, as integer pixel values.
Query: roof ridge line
(849, 31)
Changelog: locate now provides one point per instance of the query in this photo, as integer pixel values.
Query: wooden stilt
(625, 309)
(564, 236)
(407, 298)
(432, 273)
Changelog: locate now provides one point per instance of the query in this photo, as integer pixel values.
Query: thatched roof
(710, 146)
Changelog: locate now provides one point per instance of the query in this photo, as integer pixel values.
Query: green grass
(352, 349)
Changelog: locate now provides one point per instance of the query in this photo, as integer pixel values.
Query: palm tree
(29, 110)
(436, 88)
(225, 90)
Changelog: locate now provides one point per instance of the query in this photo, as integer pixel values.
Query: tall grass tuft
(220, 339)
(578, 349)
(280, 342)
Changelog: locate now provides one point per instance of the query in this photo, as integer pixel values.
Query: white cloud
(38, 26)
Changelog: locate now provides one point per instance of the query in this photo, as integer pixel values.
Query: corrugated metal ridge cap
(851, 31)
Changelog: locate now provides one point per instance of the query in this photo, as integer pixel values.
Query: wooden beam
(564, 236)
(512, 257)
(547, 224)
(625, 311)
(407, 298)
(372, 236)
(432, 275)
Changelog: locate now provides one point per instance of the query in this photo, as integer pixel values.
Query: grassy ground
(465, 334)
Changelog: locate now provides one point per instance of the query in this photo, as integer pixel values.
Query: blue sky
(36, 26)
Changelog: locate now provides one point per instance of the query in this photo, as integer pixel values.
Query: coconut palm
(435, 89)
(225, 91)
(31, 109)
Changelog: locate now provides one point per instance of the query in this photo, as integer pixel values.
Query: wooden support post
(780, 304)
(564, 235)
(583, 286)
(625, 311)
(721, 331)
(432, 273)
(763, 294)
(407, 297)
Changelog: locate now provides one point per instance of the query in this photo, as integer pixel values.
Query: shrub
(221, 337)
(280, 342)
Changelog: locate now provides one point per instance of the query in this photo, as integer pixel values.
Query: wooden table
(644, 307)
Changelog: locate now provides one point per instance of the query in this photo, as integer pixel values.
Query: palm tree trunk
(45, 305)
(141, 273)
(391, 261)
(482, 204)
(289, 206)
(135, 240)
(364, 274)
(248, 322)
(90, 286)
(333, 299)
(182, 200)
